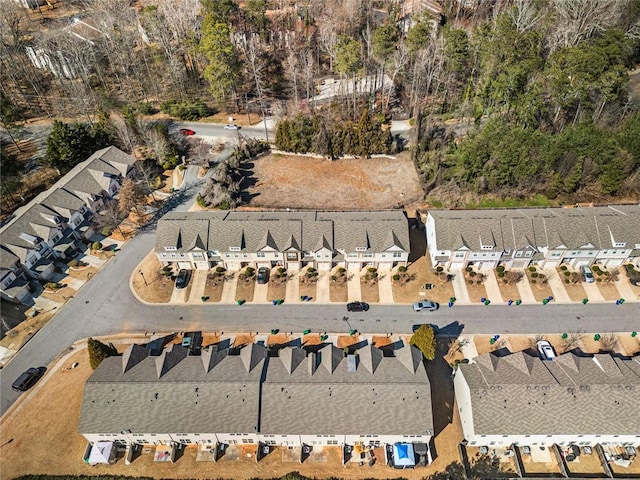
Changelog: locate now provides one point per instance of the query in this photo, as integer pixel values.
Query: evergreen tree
(425, 339)
(98, 351)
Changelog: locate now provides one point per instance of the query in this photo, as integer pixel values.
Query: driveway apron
(229, 289)
(524, 288)
(260, 292)
(385, 289)
(560, 294)
(492, 288)
(322, 288)
(593, 292)
(626, 292)
(459, 288)
(293, 289)
(354, 291)
(198, 282)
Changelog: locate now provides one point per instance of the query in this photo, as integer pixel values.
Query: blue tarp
(403, 455)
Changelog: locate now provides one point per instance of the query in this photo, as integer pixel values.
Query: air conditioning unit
(526, 450)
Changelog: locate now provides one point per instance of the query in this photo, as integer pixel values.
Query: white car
(545, 350)
(231, 126)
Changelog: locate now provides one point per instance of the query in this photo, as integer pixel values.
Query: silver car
(425, 305)
(588, 274)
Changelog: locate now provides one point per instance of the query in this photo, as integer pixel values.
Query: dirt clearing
(301, 182)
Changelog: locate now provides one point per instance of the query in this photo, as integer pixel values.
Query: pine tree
(98, 351)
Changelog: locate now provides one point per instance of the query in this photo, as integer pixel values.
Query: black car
(26, 380)
(263, 275)
(357, 307)
(183, 278)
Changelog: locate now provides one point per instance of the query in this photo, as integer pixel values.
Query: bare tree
(131, 197)
(577, 20)
(609, 342)
(525, 15)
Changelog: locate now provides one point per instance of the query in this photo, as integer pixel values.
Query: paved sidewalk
(524, 289)
(459, 288)
(354, 290)
(491, 286)
(560, 294)
(385, 288)
(593, 292)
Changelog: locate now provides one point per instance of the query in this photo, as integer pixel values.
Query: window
(397, 254)
(236, 255)
(518, 254)
(292, 256)
(361, 249)
(368, 255)
(244, 255)
(353, 255)
(234, 249)
(170, 249)
(276, 255)
(459, 254)
(619, 244)
(528, 253)
(487, 247)
(260, 255)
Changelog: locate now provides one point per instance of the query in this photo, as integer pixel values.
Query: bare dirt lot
(290, 181)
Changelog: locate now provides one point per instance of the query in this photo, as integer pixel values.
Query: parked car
(545, 350)
(426, 305)
(357, 307)
(231, 126)
(263, 275)
(27, 379)
(182, 280)
(587, 273)
(187, 131)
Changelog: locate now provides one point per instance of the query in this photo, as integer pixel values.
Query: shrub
(534, 281)
(341, 270)
(52, 285)
(193, 110)
(200, 201)
(334, 278)
(73, 263)
(468, 269)
(470, 282)
(106, 231)
(402, 269)
(396, 277)
(595, 268)
(532, 269)
(534, 275)
(500, 269)
(439, 269)
(541, 276)
(501, 274)
(472, 274)
(96, 246)
(563, 268)
(566, 280)
(249, 272)
(166, 271)
(566, 273)
(220, 269)
(371, 270)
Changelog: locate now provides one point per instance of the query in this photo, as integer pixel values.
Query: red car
(187, 131)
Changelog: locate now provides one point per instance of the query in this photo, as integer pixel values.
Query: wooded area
(509, 97)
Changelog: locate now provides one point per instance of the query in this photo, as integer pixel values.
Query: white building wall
(284, 440)
(463, 401)
(322, 439)
(238, 438)
(549, 440)
(430, 233)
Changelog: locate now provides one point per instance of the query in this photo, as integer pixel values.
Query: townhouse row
(52, 225)
(321, 396)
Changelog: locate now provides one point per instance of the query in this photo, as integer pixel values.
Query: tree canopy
(70, 144)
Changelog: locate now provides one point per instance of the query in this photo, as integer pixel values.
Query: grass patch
(538, 200)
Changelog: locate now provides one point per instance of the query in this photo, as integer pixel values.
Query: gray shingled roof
(8, 260)
(572, 395)
(393, 400)
(540, 227)
(280, 231)
(115, 157)
(37, 221)
(63, 202)
(186, 398)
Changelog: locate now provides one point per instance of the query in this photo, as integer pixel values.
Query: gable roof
(281, 231)
(575, 394)
(573, 228)
(388, 400)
